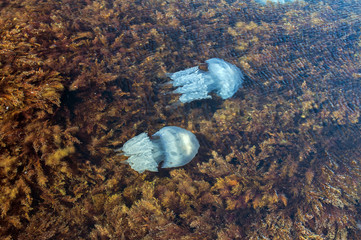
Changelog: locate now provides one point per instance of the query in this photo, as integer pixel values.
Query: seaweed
(279, 160)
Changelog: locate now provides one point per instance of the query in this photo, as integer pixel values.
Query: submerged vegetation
(279, 160)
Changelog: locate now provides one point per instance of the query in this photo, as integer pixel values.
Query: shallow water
(278, 160)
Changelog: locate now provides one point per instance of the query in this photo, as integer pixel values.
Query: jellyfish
(173, 146)
(194, 84)
(274, 1)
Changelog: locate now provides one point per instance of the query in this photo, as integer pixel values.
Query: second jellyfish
(174, 146)
(194, 84)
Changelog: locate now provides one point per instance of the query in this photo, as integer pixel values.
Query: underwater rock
(174, 146)
(194, 84)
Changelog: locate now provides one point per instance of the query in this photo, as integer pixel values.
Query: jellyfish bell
(178, 145)
(227, 77)
(174, 146)
(194, 83)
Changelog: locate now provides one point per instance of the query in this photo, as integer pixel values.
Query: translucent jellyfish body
(174, 146)
(193, 83)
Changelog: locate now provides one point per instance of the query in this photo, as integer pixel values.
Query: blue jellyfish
(274, 1)
(194, 84)
(174, 146)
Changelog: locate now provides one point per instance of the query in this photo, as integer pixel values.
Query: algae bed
(280, 159)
